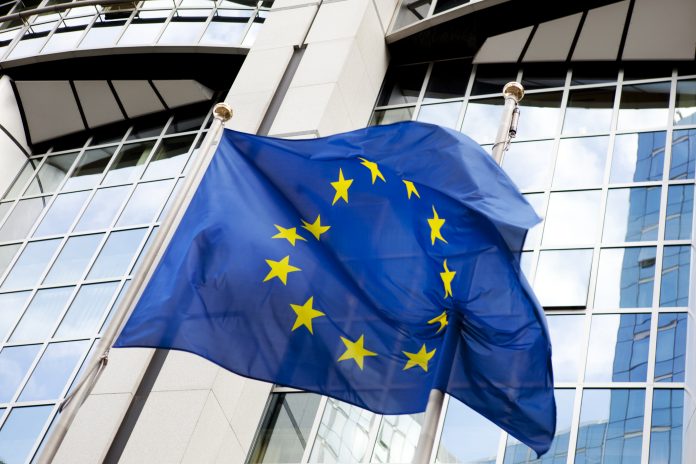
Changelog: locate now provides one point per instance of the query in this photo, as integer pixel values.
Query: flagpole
(70, 406)
(513, 93)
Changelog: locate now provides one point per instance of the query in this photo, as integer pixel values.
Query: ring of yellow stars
(419, 359)
(356, 351)
(436, 223)
(305, 314)
(315, 228)
(441, 319)
(280, 269)
(410, 189)
(341, 186)
(290, 234)
(374, 170)
(447, 277)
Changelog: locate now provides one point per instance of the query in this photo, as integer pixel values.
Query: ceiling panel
(50, 109)
(98, 103)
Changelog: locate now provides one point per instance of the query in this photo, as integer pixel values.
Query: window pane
(183, 30)
(643, 106)
(444, 114)
(638, 157)
(397, 438)
(11, 305)
(683, 154)
(568, 341)
(31, 264)
(542, 75)
(7, 253)
(73, 259)
(226, 28)
(20, 431)
(169, 158)
(680, 205)
(86, 310)
(51, 174)
(102, 209)
(21, 219)
(39, 318)
(541, 114)
(632, 215)
(143, 252)
(589, 111)
(62, 214)
(482, 118)
(584, 74)
(142, 31)
(14, 364)
(529, 164)
(343, 434)
(114, 307)
(685, 107)
(448, 79)
(129, 163)
(671, 347)
(382, 117)
(402, 85)
(53, 370)
(675, 276)
(145, 203)
(467, 437)
(90, 168)
(115, 257)
(149, 127)
(666, 428)
(538, 202)
(21, 180)
(571, 218)
(611, 426)
(618, 350)
(285, 430)
(490, 78)
(562, 277)
(625, 278)
(581, 162)
(181, 123)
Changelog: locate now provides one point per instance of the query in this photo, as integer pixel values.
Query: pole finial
(513, 90)
(222, 111)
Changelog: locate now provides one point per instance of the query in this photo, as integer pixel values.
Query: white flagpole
(513, 93)
(71, 404)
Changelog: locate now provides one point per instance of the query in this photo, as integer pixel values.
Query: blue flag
(370, 266)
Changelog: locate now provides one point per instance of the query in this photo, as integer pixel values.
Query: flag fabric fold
(370, 266)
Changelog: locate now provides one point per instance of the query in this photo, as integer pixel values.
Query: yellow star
(290, 234)
(341, 186)
(419, 359)
(305, 314)
(374, 170)
(442, 319)
(280, 269)
(447, 277)
(436, 223)
(316, 228)
(411, 188)
(355, 351)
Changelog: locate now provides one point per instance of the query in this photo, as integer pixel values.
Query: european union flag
(370, 266)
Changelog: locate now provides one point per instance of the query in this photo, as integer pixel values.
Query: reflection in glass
(543, 75)
(31, 264)
(402, 84)
(481, 119)
(170, 157)
(443, 114)
(14, 364)
(685, 105)
(589, 111)
(90, 168)
(149, 127)
(53, 370)
(529, 164)
(581, 162)
(62, 213)
(22, 218)
(117, 253)
(66, 36)
(671, 347)
(38, 320)
(618, 350)
(666, 428)
(541, 112)
(143, 30)
(20, 431)
(644, 106)
(467, 437)
(184, 30)
(448, 79)
(611, 426)
(625, 278)
(674, 289)
(632, 215)
(638, 157)
(7, 254)
(538, 202)
(11, 305)
(51, 174)
(490, 78)
(285, 429)
(568, 341)
(562, 277)
(180, 123)
(73, 259)
(114, 307)
(343, 433)
(145, 203)
(571, 218)
(383, 117)
(21, 180)
(683, 154)
(680, 205)
(103, 33)
(226, 28)
(397, 438)
(129, 163)
(86, 310)
(100, 212)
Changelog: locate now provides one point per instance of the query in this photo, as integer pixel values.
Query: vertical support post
(72, 403)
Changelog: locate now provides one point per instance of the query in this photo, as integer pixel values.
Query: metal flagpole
(513, 93)
(71, 404)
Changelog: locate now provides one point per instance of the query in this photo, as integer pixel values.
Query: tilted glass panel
(145, 203)
(15, 362)
(638, 157)
(448, 79)
(29, 45)
(21, 180)
(611, 426)
(397, 438)
(86, 310)
(102, 209)
(103, 33)
(73, 259)
(51, 174)
(41, 315)
(7, 254)
(666, 430)
(618, 349)
(170, 157)
(671, 347)
(632, 215)
(129, 163)
(62, 214)
(538, 202)
(149, 127)
(581, 162)
(543, 75)
(541, 114)
(254, 29)
(143, 30)
(20, 431)
(490, 78)
(4, 209)
(529, 164)
(674, 290)
(563, 277)
(411, 11)
(181, 123)
(53, 370)
(402, 85)
(114, 307)
(22, 218)
(571, 218)
(117, 253)
(481, 119)
(685, 105)
(285, 429)
(683, 154)
(384, 117)
(67, 35)
(185, 27)
(343, 434)
(625, 278)
(90, 168)
(680, 206)
(443, 114)
(11, 305)
(644, 106)
(467, 437)
(589, 111)
(28, 269)
(568, 340)
(226, 28)
(146, 247)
